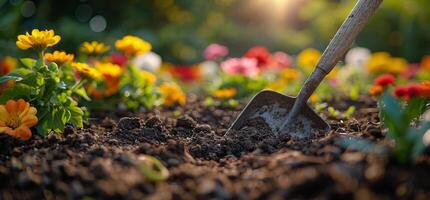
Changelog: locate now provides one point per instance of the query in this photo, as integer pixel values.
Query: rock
(186, 122)
(129, 123)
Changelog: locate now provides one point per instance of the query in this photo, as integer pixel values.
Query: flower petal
(11, 106)
(4, 114)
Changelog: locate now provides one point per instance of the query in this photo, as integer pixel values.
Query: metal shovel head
(273, 108)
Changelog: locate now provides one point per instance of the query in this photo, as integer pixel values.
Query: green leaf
(76, 116)
(6, 78)
(18, 91)
(82, 93)
(349, 111)
(414, 108)
(28, 62)
(53, 67)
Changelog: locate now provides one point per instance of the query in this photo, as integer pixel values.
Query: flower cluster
(58, 86)
(381, 83)
(383, 62)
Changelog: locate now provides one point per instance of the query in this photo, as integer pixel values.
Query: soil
(100, 161)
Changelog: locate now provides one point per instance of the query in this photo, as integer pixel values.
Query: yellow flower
(171, 94)
(59, 57)
(382, 62)
(313, 99)
(38, 40)
(109, 70)
(132, 45)
(225, 93)
(278, 85)
(290, 74)
(85, 70)
(397, 65)
(16, 119)
(308, 59)
(332, 74)
(94, 48)
(149, 77)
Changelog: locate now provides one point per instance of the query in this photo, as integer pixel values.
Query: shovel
(286, 115)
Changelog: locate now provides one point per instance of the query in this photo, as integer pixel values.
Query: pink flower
(215, 51)
(282, 60)
(242, 66)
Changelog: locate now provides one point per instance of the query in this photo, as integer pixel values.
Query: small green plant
(245, 87)
(402, 118)
(45, 86)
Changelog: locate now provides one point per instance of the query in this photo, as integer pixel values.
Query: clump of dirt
(100, 160)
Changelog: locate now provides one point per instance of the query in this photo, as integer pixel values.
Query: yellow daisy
(132, 45)
(38, 40)
(94, 48)
(86, 71)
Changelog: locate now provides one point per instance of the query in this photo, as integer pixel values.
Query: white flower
(357, 57)
(149, 61)
(209, 69)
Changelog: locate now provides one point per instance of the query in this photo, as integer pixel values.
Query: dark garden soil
(101, 160)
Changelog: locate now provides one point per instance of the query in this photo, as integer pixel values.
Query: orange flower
(59, 57)
(225, 93)
(111, 87)
(376, 90)
(425, 89)
(7, 64)
(16, 119)
(171, 94)
(425, 63)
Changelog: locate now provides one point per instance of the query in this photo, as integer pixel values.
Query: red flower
(401, 92)
(118, 58)
(261, 54)
(385, 80)
(408, 92)
(186, 73)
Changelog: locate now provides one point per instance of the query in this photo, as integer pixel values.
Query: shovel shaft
(342, 41)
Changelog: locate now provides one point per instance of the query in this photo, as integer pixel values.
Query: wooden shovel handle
(342, 41)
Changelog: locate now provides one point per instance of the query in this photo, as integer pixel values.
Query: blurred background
(181, 29)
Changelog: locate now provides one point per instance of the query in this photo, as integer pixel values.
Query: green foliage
(231, 103)
(135, 90)
(404, 125)
(246, 87)
(43, 87)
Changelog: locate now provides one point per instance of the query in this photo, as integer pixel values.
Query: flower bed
(116, 125)
(102, 160)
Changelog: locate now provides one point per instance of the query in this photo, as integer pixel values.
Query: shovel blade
(273, 108)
